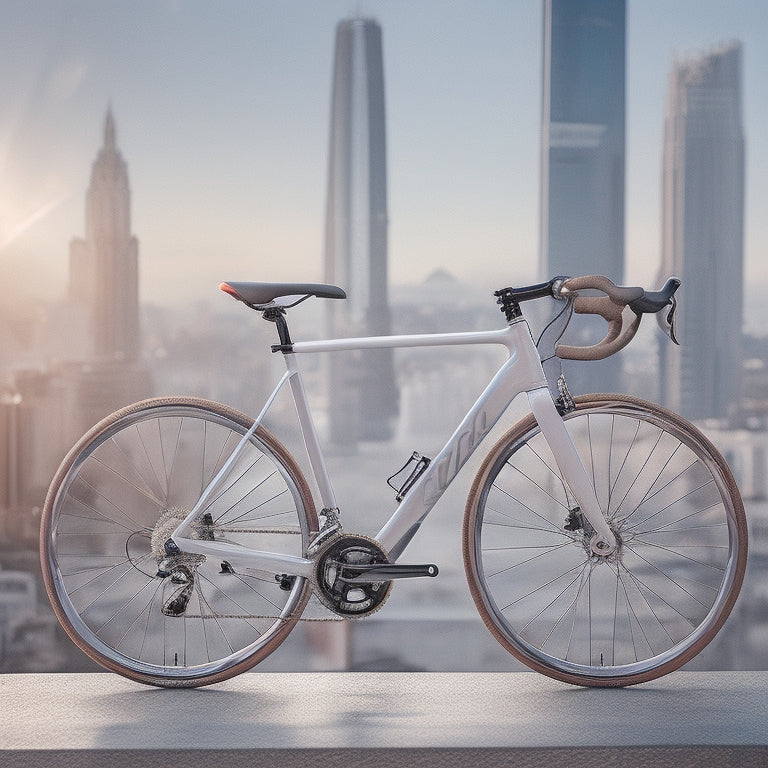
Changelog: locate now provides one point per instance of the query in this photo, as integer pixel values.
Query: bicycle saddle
(261, 294)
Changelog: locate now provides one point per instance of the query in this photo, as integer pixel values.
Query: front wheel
(655, 602)
(185, 620)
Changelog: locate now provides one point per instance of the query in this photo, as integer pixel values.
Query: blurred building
(582, 159)
(702, 233)
(104, 279)
(104, 266)
(363, 395)
(45, 409)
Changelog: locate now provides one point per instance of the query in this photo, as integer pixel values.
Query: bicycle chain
(313, 596)
(283, 531)
(262, 616)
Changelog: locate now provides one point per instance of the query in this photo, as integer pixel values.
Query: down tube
(522, 372)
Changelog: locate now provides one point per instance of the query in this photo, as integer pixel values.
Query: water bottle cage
(405, 477)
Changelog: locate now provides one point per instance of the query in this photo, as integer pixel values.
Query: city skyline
(211, 200)
(228, 150)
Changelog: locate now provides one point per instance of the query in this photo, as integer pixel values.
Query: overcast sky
(222, 112)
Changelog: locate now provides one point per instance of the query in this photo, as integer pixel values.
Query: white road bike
(604, 537)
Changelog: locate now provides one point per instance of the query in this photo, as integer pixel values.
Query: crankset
(353, 575)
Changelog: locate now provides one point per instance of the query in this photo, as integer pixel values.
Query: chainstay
(247, 616)
(261, 616)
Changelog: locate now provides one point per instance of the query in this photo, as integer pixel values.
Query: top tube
(503, 337)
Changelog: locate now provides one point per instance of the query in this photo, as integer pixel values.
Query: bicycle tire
(116, 498)
(653, 605)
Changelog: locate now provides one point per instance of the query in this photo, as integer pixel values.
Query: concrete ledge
(384, 719)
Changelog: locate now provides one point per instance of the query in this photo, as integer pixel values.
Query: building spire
(109, 130)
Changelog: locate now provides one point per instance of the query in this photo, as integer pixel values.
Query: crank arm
(385, 572)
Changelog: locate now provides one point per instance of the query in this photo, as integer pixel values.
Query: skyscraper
(702, 232)
(363, 396)
(104, 272)
(582, 155)
(104, 280)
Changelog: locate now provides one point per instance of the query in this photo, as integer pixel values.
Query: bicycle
(604, 537)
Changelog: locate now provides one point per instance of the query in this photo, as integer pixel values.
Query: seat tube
(309, 433)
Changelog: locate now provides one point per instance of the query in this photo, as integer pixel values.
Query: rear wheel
(646, 609)
(117, 498)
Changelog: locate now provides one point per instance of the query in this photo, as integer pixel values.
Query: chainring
(334, 566)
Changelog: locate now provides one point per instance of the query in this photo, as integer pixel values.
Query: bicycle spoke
(676, 582)
(668, 526)
(610, 458)
(134, 523)
(151, 465)
(138, 617)
(543, 490)
(682, 498)
(579, 577)
(612, 487)
(209, 504)
(528, 509)
(543, 586)
(555, 475)
(519, 527)
(123, 607)
(128, 458)
(640, 472)
(552, 548)
(104, 571)
(248, 511)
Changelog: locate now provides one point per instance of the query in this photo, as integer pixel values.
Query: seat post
(276, 315)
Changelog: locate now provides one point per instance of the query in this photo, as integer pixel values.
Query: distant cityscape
(100, 347)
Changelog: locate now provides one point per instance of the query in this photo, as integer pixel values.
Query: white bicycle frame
(521, 372)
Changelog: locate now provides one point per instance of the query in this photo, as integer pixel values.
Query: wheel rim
(664, 592)
(122, 496)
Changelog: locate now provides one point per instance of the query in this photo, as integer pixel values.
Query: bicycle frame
(521, 372)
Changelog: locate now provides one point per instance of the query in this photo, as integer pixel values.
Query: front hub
(585, 534)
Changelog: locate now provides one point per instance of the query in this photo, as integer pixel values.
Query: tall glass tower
(702, 232)
(363, 396)
(582, 157)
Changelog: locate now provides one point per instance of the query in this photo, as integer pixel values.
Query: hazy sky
(222, 112)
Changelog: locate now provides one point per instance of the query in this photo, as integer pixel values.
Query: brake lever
(667, 320)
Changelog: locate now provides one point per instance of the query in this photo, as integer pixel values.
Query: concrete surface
(382, 719)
